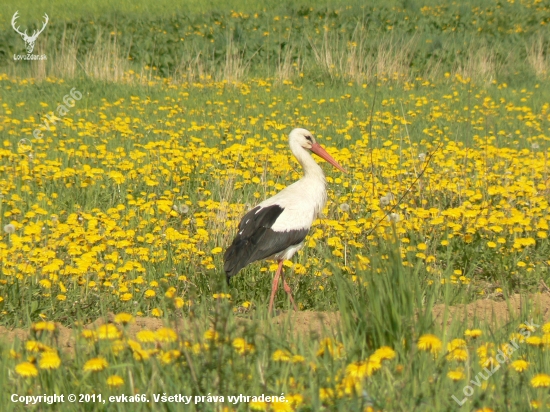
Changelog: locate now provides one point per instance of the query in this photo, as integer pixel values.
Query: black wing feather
(256, 240)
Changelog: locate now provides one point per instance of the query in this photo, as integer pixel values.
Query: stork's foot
(289, 293)
(274, 287)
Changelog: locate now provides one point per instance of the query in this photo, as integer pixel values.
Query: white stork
(276, 228)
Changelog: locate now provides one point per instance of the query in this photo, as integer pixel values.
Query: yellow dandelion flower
(239, 344)
(258, 406)
(35, 346)
(114, 381)
(95, 364)
(486, 349)
(351, 385)
(133, 344)
(45, 283)
(169, 356)
(382, 353)
(150, 293)
(211, 335)
(221, 296)
(178, 303)
(546, 328)
(534, 341)
(166, 335)
(541, 380)
(49, 360)
(242, 347)
(124, 319)
(281, 406)
(156, 312)
(281, 355)
(357, 370)
(89, 334)
(455, 344)
(125, 297)
(519, 365)
(146, 336)
(430, 343)
(108, 331)
(44, 325)
(459, 354)
(372, 366)
(457, 374)
(298, 359)
(26, 370)
(140, 354)
(295, 400)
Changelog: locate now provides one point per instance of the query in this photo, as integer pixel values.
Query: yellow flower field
(134, 208)
(126, 206)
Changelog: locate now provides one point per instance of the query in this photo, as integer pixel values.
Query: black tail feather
(246, 247)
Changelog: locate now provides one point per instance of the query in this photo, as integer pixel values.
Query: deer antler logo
(29, 40)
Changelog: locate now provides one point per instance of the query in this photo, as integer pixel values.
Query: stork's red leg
(274, 286)
(288, 292)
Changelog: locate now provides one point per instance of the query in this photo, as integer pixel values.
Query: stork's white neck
(311, 169)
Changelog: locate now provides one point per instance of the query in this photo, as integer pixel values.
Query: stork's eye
(309, 139)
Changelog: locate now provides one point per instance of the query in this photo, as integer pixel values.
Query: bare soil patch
(495, 312)
(320, 324)
(307, 322)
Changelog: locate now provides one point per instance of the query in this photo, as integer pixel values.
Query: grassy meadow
(128, 156)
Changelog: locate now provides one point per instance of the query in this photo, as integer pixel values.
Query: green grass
(391, 309)
(492, 40)
(463, 83)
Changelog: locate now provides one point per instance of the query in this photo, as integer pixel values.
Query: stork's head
(304, 138)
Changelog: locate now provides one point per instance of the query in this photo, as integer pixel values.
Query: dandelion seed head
(9, 229)
(394, 217)
(422, 156)
(344, 207)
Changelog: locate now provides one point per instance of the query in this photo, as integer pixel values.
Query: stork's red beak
(319, 151)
